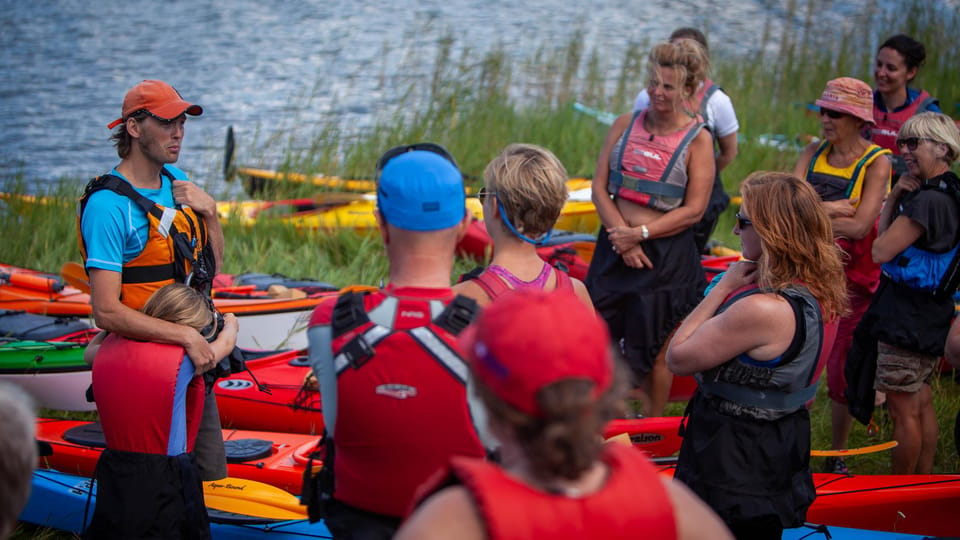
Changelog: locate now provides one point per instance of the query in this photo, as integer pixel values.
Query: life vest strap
(147, 274)
(761, 399)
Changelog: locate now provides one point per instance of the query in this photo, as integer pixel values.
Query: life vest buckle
(357, 352)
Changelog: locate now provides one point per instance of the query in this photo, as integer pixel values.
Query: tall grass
(475, 104)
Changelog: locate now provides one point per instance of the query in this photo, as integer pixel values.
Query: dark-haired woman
(898, 61)
(544, 369)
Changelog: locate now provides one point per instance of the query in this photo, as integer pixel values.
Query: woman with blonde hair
(524, 190)
(651, 186)
(852, 177)
(545, 371)
(756, 344)
(150, 399)
(904, 330)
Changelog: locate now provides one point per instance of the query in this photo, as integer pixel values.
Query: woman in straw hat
(543, 366)
(756, 344)
(851, 177)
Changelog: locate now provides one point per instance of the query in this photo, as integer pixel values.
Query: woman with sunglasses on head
(898, 61)
(852, 179)
(651, 185)
(524, 190)
(150, 400)
(907, 323)
(756, 344)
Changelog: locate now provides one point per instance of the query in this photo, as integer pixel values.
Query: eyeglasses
(483, 194)
(832, 113)
(743, 222)
(912, 142)
(417, 147)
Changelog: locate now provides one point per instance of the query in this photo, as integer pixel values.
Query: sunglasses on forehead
(912, 142)
(416, 147)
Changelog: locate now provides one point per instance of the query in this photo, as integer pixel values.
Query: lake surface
(270, 67)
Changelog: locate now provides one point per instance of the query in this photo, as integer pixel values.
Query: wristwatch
(644, 232)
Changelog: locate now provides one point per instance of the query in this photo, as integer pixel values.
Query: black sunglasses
(417, 147)
(743, 222)
(832, 113)
(483, 193)
(912, 142)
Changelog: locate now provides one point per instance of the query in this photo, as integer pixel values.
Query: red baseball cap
(528, 339)
(159, 99)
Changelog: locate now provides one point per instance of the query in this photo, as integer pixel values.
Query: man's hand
(189, 194)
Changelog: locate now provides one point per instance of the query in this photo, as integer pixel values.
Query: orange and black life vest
(177, 248)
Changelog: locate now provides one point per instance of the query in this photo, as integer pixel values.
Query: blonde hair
(796, 238)
(531, 184)
(937, 127)
(690, 64)
(178, 303)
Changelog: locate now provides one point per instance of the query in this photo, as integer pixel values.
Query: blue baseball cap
(420, 189)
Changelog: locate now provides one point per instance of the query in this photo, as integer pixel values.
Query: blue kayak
(57, 501)
(823, 532)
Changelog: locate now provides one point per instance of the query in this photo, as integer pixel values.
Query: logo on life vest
(645, 438)
(396, 391)
(648, 155)
(413, 314)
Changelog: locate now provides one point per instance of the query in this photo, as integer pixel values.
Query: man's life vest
(633, 503)
(888, 123)
(494, 286)
(129, 372)
(401, 400)
(651, 170)
(924, 270)
(774, 389)
(177, 248)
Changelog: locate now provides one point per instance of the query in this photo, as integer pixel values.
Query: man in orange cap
(143, 225)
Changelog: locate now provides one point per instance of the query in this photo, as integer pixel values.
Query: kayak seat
(300, 361)
(87, 435)
(240, 450)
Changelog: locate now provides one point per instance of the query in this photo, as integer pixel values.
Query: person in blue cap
(392, 380)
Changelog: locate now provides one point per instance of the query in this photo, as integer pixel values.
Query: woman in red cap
(544, 369)
(756, 344)
(851, 177)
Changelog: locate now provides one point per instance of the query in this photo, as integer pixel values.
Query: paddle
(672, 460)
(75, 276)
(252, 498)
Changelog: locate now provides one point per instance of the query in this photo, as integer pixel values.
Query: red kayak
(277, 459)
(923, 504)
(289, 407)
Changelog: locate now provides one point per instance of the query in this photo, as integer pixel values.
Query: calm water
(269, 67)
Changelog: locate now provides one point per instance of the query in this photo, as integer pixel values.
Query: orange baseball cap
(159, 99)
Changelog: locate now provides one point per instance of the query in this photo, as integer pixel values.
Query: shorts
(900, 370)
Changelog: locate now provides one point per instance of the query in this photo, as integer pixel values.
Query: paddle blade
(252, 498)
(75, 276)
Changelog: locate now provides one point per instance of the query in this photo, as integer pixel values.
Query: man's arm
(113, 316)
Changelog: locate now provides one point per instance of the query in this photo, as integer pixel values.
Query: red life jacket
(887, 127)
(401, 396)
(494, 286)
(633, 504)
(134, 382)
(651, 170)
